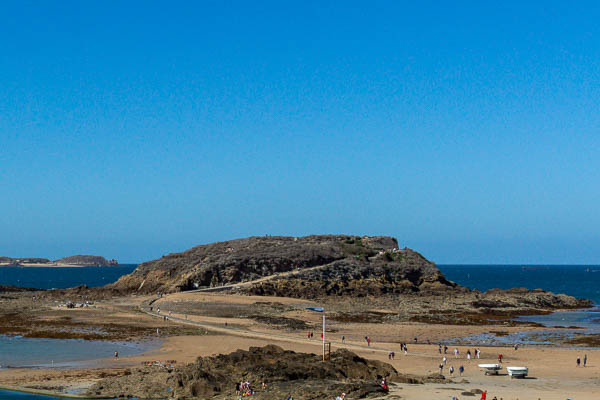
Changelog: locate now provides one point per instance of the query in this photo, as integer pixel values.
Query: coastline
(56, 265)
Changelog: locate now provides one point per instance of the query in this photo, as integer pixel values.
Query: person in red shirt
(484, 395)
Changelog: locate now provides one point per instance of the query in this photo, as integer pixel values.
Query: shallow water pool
(17, 351)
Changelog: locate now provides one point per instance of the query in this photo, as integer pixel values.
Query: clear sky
(470, 131)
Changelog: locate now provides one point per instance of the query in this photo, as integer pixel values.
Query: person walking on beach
(584, 359)
(469, 354)
(393, 355)
(116, 355)
(444, 360)
(343, 339)
(461, 370)
(440, 348)
(455, 353)
(441, 369)
(578, 361)
(451, 370)
(477, 353)
(499, 358)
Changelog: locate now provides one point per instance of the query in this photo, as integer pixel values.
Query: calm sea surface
(62, 277)
(576, 280)
(8, 395)
(16, 351)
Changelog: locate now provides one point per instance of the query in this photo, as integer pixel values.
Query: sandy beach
(553, 372)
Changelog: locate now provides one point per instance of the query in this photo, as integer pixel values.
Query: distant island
(71, 261)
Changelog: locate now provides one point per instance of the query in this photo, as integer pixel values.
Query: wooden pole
(323, 335)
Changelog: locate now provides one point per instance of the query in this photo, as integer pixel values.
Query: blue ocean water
(9, 395)
(582, 281)
(62, 277)
(17, 351)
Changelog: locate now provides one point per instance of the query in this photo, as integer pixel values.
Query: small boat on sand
(517, 372)
(491, 368)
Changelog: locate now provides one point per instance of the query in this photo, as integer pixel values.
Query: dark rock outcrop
(303, 375)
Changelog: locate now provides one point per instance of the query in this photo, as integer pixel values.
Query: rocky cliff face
(313, 265)
(388, 272)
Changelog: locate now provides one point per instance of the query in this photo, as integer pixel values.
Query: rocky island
(71, 261)
(353, 271)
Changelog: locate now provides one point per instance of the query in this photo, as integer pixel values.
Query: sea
(581, 281)
(62, 277)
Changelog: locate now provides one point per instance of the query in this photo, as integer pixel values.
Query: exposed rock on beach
(303, 375)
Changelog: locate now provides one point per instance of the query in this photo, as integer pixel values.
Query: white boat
(491, 368)
(517, 372)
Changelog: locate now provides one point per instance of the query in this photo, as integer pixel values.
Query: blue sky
(470, 131)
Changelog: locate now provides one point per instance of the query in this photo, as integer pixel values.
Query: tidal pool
(17, 351)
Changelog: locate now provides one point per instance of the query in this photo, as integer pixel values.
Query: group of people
(404, 348)
(244, 389)
(461, 369)
(584, 360)
(456, 352)
(483, 396)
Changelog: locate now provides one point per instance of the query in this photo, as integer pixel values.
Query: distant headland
(71, 261)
